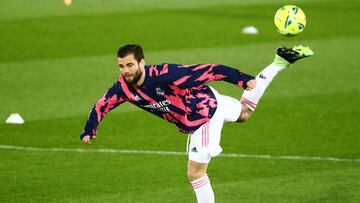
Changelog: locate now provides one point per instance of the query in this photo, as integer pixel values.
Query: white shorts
(205, 141)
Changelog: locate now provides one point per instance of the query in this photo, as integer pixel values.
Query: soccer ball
(290, 20)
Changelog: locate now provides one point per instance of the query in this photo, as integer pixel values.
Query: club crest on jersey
(159, 91)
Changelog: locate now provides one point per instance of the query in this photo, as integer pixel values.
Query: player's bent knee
(196, 170)
(245, 114)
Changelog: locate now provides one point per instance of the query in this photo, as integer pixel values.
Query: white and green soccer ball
(290, 20)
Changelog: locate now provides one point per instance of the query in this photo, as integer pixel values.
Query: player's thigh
(198, 146)
(204, 143)
(231, 107)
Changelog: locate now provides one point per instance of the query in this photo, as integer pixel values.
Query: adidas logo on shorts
(194, 150)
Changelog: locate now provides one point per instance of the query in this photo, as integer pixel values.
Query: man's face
(130, 69)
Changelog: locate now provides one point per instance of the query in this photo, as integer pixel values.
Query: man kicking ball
(178, 94)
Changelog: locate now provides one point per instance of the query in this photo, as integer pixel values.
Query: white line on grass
(120, 151)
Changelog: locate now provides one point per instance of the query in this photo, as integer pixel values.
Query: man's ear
(142, 63)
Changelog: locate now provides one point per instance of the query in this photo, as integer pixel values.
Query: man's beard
(136, 77)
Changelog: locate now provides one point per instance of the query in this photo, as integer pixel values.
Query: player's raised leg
(283, 58)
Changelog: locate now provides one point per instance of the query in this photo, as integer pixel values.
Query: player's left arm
(194, 75)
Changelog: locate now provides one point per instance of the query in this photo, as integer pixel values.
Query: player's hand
(251, 84)
(86, 139)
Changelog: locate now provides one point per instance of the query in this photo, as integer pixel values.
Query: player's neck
(142, 78)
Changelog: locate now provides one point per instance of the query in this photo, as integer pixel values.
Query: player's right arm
(111, 99)
(198, 74)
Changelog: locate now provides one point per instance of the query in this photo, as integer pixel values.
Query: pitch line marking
(120, 151)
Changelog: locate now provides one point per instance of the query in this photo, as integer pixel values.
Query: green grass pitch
(56, 61)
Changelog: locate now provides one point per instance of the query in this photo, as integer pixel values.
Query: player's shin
(263, 79)
(203, 190)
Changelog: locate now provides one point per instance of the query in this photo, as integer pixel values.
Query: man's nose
(124, 70)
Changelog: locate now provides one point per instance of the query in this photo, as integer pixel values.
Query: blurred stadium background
(56, 61)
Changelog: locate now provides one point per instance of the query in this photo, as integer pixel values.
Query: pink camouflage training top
(176, 93)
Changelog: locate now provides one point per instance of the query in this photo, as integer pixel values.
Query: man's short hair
(131, 49)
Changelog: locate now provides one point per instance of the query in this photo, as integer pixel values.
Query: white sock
(203, 190)
(263, 79)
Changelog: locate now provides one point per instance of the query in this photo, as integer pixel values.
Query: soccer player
(178, 94)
